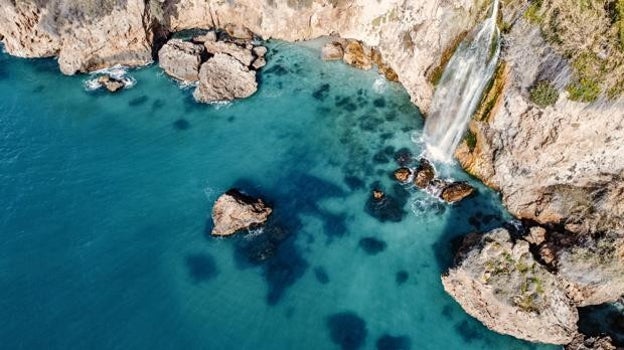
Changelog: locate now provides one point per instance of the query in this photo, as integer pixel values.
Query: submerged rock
(456, 191)
(181, 59)
(332, 51)
(223, 78)
(424, 174)
(110, 83)
(403, 174)
(234, 211)
(498, 281)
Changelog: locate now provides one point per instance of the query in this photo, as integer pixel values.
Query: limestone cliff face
(410, 34)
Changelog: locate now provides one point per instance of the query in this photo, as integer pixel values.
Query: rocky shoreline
(559, 168)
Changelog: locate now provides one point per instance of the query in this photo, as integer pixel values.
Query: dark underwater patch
(388, 208)
(468, 331)
(401, 277)
(37, 89)
(380, 158)
(354, 182)
(321, 275)
(403, 157)
(372, 245)
(201, 267)
(158, 104)
(137, 101)
(347, 330)
(346, 103)
(447, 311)
(321, 93)
(390, 342)
(277, 69)
(379, 102)
(181, 124)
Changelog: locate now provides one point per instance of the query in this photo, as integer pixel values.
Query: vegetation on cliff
(590, 33)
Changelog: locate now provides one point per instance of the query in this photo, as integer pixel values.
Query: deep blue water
(105, 203)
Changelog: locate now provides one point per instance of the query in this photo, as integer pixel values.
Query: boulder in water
(181, 59)
(224, 78)
(403, 174)
(456, 191)
(234, 211)
(111, 83)
(378, 195)
(332, 51)
(424, 174)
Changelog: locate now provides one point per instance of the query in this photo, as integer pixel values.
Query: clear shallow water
(105, 200)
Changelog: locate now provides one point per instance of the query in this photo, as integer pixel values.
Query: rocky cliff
(558, 164)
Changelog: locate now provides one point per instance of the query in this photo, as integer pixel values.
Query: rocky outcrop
(499, 282)
(181, 59)
(424, 174)
(110, 83)
(582, 342)
(224, 78)
(234, 211)
(456, 191)
(358, 55)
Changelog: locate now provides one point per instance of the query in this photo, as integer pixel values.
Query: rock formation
(456, 191)
(181, 59)
(499, 282)
(234, 211)
(223, 77)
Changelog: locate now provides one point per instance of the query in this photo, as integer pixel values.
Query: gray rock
(223, 78)
(260, 51)
(181, 59)
(258, 63)
(243, 54)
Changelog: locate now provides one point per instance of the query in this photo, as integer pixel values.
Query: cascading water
(461, 87)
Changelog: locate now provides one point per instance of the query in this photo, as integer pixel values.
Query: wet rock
(234, 211)
(223, 78)
(402, 175)
(110, 83)
(424, 174)
(347, 330)
(242, 54)
(181, 59)
(456, 191)
(357, 55)
(582, 342)
(372, 245)
(332, 51)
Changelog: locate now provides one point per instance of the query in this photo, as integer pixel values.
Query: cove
(105, 202)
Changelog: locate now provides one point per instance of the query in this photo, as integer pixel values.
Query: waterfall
(461, 87)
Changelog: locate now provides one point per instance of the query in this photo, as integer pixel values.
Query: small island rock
(224, 78)
(234, 211)
(424, 174)
(111, 84)
(456, 191)
(402, 174)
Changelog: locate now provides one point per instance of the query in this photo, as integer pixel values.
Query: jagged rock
(332, 51)
(238, 31)
(424, 174)
(357, 55)
(378, 194)
(582, 342)
(110, 83)
(536, 236)
(382, 67)
(224, 78)
(181, 59)
(234, 211)
(242, 54)
(456, 191)
(209, 36)
(497, 281)
(260, 51)
(402, 174)
(258, 63)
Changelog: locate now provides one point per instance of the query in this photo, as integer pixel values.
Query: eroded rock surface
(499, 282)
(224, 78)
(234, 211)
(181, 59)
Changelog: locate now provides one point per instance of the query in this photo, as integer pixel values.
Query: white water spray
(461, 87)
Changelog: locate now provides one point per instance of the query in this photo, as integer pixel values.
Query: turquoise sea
(105, 202)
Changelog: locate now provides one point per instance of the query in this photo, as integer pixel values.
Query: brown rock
(181, 59)
(424, 174)
(536, 236)
(110, 83)
(548, 253)
(402, 174)
(223, 78)
(332, 51)
(382, 67)
(258, 63)
(357, 55)
(242, 54)
(456, 191)
(378, 194)
(234, 211)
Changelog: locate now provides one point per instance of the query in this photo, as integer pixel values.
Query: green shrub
(584, 90)
(471, 140)
(544, 94)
